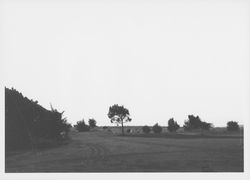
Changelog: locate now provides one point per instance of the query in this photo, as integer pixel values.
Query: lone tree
(232, 126)
(173, 126)
(92, 123)
(119, 114)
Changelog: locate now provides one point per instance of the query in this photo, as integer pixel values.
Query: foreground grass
(104, 152)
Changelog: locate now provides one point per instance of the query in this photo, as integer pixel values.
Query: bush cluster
(27, 122)
(194, 122)
(232, 126)
(92, 123)
(81, 126)
(146, 129)
(157, 128)
(173, 126)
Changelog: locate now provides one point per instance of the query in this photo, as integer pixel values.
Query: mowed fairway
(104, 152)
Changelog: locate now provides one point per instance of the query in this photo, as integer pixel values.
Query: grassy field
(103, 151)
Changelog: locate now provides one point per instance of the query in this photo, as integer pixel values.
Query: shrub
(156, 128)
(146, 129)
(192, 122)
(195, 123)
(81, 126)
(26, 121)
(173, 126)
(205, 125)
(232, 126)
(92, 123)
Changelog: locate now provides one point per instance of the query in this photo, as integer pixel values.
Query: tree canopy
(119, 115)
(194, 122)
(157, 128)
(232, 126)
(92, 123)
(173, 126)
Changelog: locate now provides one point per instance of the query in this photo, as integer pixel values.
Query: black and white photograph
(124, 87)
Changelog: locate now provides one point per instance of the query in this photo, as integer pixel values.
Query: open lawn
(102, 151)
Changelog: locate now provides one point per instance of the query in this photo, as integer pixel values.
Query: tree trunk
(122, 129)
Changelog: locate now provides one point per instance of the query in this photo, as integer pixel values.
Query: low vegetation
(81, 126)
(173, 126)
(129, 130)
(232, 126)
(157, 128)
(102, 152)
(146, 129)
(92, 123)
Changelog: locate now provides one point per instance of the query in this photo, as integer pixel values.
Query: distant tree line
(173, 126)
(193, 123)
(120, 115)
(28, 124)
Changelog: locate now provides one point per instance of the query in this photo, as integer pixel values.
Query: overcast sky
(160, 59)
